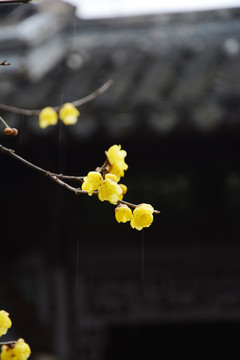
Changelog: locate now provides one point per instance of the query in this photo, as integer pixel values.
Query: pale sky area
(113, 8)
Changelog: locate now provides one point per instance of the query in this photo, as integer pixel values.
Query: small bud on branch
(4, 63)
(11, 131)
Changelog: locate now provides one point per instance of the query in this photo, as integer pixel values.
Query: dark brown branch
(76, 103)
(70, 177)
(50, 175)
(134, 206)
(93, 95)
(8, 130)
(8, 342)
(4, 122)
(4, 63)
(14, 2)
(58, 178)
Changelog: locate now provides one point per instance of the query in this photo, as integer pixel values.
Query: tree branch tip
(11, 342)
(5, 63)
(10, 131)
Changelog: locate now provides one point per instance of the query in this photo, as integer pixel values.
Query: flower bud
(14, 132)
(10, 131)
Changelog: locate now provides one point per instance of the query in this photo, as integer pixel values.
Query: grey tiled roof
(170, 72)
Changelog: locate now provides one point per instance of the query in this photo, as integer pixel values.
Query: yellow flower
(69, 114)
(16, 351)
(92, 182)
(48, 116)
(116, 158)
(124, 190)
(123, 213)
(142, 216)
(5, 322)
(110, 190)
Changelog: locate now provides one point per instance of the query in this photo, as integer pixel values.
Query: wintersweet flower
(116, 158)
(69, 114)
(16, 351)
(124, 190)
(92, 182)
(110, 190)
(48, 116)
(5, 322)
(123, 213)
(142, 216)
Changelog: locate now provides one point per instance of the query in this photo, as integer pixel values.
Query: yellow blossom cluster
(5, 322)
(68, 114)
(107, 185)
(18, 350)
(12, 350)
(105, 182)
(140, 217)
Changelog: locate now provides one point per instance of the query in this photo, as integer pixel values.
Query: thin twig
(77, 103)
(134, 206)
(4, 63)
(8, 129)
(8, 342)
(14, 2)
(93, 95)
(58, 177)
(4, 122)
(70, 177)
(50, 175)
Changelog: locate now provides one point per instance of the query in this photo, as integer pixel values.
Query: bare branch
(4, 122)
(76, 103)
(93, 95)
(4, 63)
(8, 129)
(2, 2)
(49, 174)
(58, 178)
(13, 342)
(70, 177)
(134, 206)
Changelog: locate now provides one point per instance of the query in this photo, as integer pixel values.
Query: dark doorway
(219, 340)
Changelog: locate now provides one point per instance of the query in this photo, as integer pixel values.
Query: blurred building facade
(95, 289)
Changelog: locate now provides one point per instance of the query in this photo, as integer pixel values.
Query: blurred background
(77, 284)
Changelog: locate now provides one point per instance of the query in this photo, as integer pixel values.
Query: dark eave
(170, 71)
